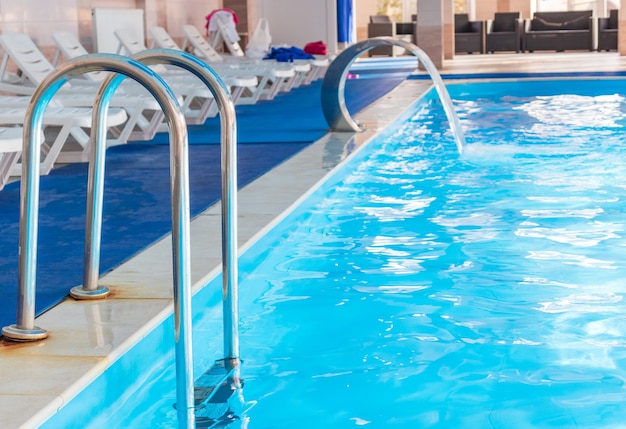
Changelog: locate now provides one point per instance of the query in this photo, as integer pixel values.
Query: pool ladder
(137, 69)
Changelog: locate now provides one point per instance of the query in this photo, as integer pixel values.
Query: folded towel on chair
(288, 54)
(229, 19)
(315, 48)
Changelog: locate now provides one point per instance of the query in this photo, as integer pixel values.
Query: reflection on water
(491, 279)
(574, 111)
(424, 289)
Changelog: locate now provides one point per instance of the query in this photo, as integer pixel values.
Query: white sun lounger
(66, 128)
(224, 35)
(192, 89)
(68, 46)
(144, 113)
(11, 144)
(272, 72)
(10, 149)
(272, 77)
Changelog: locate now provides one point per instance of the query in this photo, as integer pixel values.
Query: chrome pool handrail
(228, 149)
(25, 329)
(228, 135)
(90, 288)
(333, 86)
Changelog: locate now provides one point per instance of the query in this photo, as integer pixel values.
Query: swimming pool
(415, 288)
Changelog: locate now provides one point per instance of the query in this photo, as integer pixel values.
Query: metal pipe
(25, 330)
(228, 138)
(182, 297)
(228, 134)
(95, 191)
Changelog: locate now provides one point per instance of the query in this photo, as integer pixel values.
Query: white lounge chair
(225, 35)
(66, 128)
(68, 46)
(272, 77)
(203, 49)
(10, 149)
(189, 86)
(144, 113)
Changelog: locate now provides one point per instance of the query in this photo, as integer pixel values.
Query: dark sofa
(559, 31)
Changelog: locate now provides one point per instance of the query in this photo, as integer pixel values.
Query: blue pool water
(419, 289)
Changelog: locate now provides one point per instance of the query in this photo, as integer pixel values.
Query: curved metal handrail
(90, 288)
(333, 86)
(228, 139)
(228, 132)
(25, 329)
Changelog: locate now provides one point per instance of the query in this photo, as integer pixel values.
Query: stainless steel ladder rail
(25, 329)
(333, 86)
(90, 288)
(228, 133)
(228, 156)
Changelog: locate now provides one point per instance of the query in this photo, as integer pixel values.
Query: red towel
(315, 48)
(209, 16)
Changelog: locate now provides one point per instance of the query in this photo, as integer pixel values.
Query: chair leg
(7, 161)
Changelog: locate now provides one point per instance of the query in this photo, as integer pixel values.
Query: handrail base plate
(79, 292)
(15, 333)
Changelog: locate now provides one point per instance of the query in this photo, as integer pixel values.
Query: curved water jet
(333, 86)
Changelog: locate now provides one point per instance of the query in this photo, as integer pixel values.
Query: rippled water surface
(419, 289)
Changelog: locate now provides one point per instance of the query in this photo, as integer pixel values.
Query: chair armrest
(489, 26)
(603, 24)
(381, 29)
(405, 27)
(476, 26)
(528, 25)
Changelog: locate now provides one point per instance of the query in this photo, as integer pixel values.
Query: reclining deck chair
(188, 85)
(316, 67)
(10, 149)
(65, 126)
(272, 78)
(11, 144)
(225, 35)
(63, 121)
(35, 67)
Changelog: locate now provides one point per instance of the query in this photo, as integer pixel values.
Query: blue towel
(288, 55)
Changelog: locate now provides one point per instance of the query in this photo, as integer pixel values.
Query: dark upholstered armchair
(504, 32)
(607, 32)
(382, 25)
(468, 35)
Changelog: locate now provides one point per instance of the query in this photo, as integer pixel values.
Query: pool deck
(537, 62)
(85, 337)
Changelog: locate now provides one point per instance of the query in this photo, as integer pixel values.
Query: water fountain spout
(333, 86)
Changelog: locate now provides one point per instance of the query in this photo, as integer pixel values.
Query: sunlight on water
(489, 279)
(483, 153)
(426, 289)
(575, 111)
